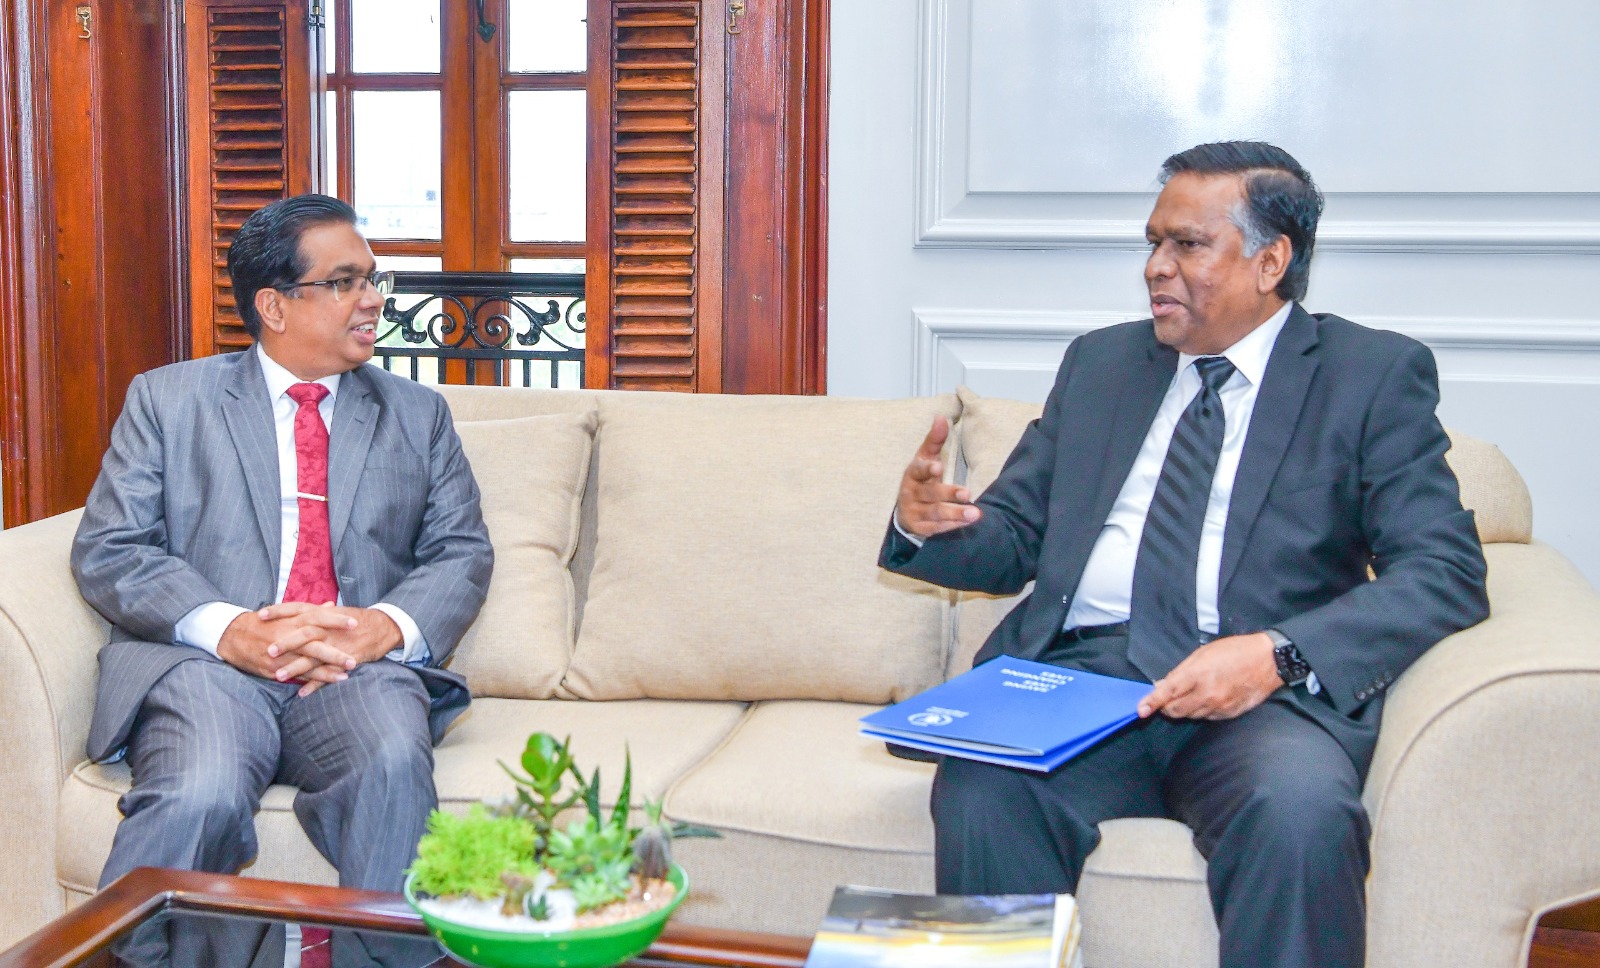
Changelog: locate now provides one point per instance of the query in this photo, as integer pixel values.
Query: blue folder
(1012, 712)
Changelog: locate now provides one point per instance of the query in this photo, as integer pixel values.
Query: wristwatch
(1293, 669)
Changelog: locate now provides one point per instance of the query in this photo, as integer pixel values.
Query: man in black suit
(1198, 506)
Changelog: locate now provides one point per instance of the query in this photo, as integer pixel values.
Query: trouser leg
(1275, 805)
(999, 830)
(203, 750)
(361, 755)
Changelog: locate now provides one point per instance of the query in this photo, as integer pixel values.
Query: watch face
(1292, 669)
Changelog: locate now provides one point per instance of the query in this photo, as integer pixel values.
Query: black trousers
(1273, 800)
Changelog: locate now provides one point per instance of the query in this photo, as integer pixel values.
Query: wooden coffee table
(82, 936)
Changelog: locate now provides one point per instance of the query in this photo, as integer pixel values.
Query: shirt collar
(1250, 355)
(279, 380)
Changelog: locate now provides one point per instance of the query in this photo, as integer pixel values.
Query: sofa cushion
(664, 738)
(531, 471)
(795, 781)
(1492, 489)
(1144, 899)
(736, 552)
(472, 403)
(799, 770)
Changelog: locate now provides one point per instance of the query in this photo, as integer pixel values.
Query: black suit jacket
(1343, 468)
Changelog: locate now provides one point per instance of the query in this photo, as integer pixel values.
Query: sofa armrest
(1484, 789)
(49, 640)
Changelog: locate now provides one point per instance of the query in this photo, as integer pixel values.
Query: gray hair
(1257, 235)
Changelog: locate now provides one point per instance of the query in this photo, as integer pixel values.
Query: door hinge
(314, 19)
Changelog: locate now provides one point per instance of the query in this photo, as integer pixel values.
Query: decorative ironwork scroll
(497, 328)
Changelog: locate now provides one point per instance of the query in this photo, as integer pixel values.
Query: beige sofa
(693, 578)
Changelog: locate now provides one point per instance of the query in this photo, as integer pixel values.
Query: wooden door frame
(24, 260)
(775, 315)
(811, 100)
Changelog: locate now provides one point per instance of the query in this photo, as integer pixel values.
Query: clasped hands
(314, 644)
(1222, 679)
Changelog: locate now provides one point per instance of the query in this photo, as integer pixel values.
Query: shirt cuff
(204, 625)
(414, 650)
(904, 533)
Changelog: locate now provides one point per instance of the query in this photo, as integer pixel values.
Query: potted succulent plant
(507, 885)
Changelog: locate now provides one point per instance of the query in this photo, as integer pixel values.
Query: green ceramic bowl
(585, 948)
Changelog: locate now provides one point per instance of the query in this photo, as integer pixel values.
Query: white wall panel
(1119, 84)
(992, 163)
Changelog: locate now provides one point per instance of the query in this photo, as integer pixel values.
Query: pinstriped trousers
(209, 740)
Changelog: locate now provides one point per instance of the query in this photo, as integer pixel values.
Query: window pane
(547, 35)
(409, 263)
(545, 164)
(330, 37)
(547, 265)
(397, 163)
(330, 143)
(399, 36)
(389, 333)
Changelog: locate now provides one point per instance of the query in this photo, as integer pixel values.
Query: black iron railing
(499, 328)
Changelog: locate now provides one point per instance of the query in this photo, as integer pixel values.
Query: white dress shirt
(1105, 594)
(203, 626)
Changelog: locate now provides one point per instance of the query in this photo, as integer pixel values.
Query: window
(459, 131)
(407, 78)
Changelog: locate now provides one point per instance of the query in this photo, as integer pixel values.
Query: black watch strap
(1293, 669)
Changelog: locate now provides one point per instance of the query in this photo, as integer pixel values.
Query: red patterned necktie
(311, 578)
(315, 947)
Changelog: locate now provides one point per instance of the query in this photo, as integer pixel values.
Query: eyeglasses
(381, 281)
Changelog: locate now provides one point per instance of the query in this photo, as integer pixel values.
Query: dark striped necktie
(1162, 626)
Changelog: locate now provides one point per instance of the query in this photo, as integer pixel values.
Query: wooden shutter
(651, 326)
(253, 110)
(707, 225)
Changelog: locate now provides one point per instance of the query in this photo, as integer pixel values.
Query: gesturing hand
(1222, 679)
(927, 506)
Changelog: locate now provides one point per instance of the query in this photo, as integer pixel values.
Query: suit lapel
(248, 415)
(1272, 425)
(1143, 388)
(355, 418)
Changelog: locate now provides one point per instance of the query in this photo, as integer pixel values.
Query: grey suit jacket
(1343, 469)
(186, 511)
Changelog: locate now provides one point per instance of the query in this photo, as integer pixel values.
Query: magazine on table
(870, 928)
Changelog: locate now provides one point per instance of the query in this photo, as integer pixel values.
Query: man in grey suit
(1199, 506)
(287, 544)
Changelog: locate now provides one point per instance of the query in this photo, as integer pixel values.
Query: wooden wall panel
(75, 358)
(22, 258)
(777, 102)
(139, 251)
(89, 254)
